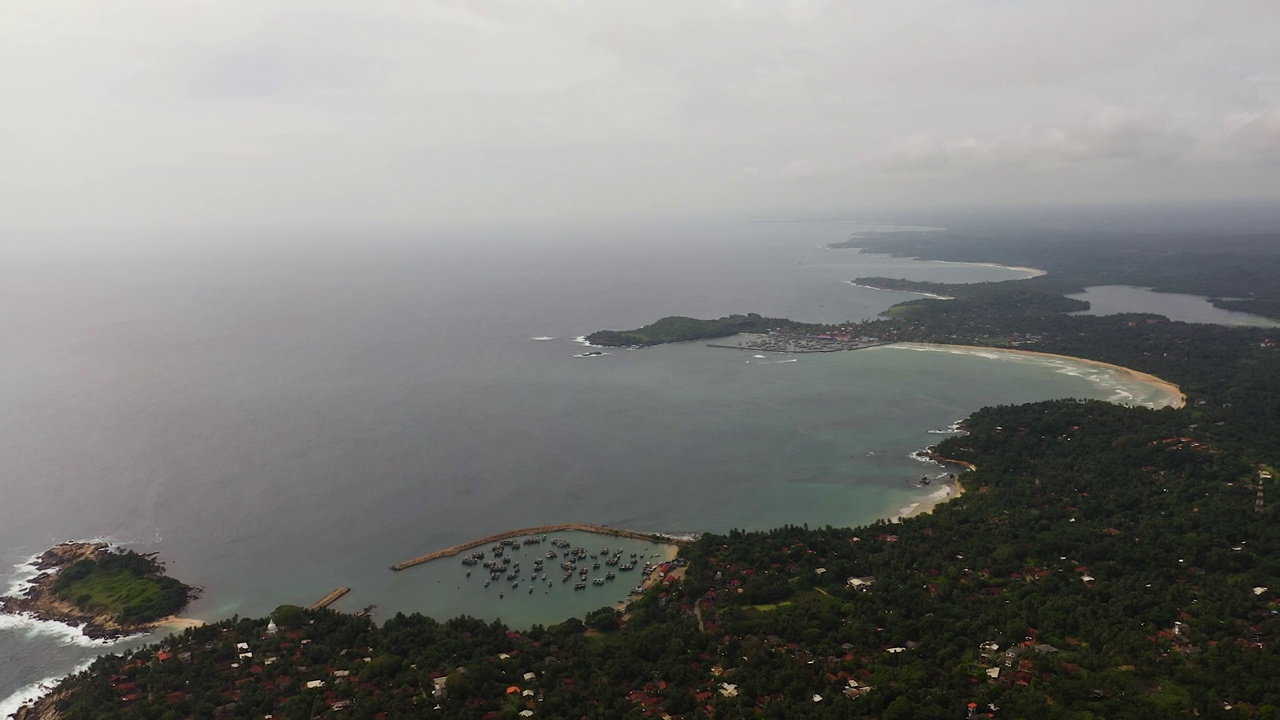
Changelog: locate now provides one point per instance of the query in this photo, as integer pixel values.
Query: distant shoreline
(1035, 272)
(851, 244)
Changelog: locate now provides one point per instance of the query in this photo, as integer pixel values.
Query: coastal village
(795, 341)
(289, 663)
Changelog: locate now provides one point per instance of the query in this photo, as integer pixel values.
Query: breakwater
(329, 599)
(540, 530)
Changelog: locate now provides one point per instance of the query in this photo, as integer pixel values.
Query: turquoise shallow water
(284, 419)
(753, 443)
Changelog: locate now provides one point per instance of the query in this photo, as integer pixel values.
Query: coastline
(955, 488)
(951, 491)
(669, 553)
(931, 296)
(945, 492)
(1035, 272)
(174, 622)
(851, 245)
(1172, 390)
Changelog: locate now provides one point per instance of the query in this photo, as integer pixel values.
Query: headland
(107, 593)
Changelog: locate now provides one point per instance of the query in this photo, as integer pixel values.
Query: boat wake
(542, 338)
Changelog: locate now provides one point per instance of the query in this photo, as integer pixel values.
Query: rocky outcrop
(45, 708)
(41, 601)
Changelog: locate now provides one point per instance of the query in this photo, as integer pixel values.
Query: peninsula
(681, 329)
(108, 593)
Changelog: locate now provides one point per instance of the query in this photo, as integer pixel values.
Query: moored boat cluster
(576, 563)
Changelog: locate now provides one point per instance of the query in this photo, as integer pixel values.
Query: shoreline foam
(32, 692)
(955, 489)
(1035, 272)
(931, 296)
(1179, 398)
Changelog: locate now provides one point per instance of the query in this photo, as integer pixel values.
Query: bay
(281, 416)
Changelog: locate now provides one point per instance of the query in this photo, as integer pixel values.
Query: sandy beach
(173, 622)
(1035, 272)
(1172, 390)
(952, 490)
(955, 489)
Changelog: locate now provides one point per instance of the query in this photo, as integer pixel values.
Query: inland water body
(282, 416)
(1115, 299)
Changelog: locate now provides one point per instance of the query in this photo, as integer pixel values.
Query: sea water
(282, 416)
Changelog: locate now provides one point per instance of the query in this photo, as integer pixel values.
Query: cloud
(1103, 133)
(1257, 136)
(428, 114)
(800, 170)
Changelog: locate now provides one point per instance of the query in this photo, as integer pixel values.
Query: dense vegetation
(1104, 562)
(127, 585)
(680, 329)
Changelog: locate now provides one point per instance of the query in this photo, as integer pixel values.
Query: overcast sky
(486, 113)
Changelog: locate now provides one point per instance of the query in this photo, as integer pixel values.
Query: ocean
(280, 416)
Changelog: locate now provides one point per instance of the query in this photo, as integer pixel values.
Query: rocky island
(107, 592)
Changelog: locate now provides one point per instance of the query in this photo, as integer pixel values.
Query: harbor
(535, 577)
(800, 343)
(536, 531)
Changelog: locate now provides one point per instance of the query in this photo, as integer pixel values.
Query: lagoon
(1115, 299)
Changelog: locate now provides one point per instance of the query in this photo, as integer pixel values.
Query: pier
(329, 599)
(541, 530)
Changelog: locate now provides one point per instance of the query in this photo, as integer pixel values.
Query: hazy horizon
(498, 115)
